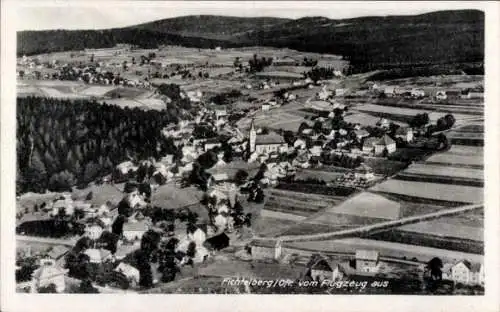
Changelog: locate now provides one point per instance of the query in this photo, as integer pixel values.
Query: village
(277, 148)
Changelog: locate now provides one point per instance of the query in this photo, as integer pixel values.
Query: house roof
(96, 255)
(48, 271)
(136, 226)
(322, 265)
(363, 254)
(57, 251)
(385, 140)
(271, 138)
(473, 267)
(370, 142)
(218, 241)
(361, 132)
(364, 168)
(262, 242)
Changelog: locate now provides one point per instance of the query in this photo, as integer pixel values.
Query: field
(446, 171)
(386, 249)
(442, 228)
(460, 156)
(302, 204)
(384, 166)
(100, 194)
(367, 119)
(173, 197)
(364, 204)
(405, 113)
(270, 227)
(431, 191)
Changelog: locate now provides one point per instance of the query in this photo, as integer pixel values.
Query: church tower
(252, 136)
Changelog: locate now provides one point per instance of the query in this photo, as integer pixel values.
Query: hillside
(433, 38)
(211, 26)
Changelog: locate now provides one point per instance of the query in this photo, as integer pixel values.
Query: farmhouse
(217, 242)
(133, 231)
(98, 255)
(367, 261)
(475, 95)
(265, 249)
(319, 269)
(47, 274)
(417, 93)
(384, 143)
(464, 272)
(57, 252)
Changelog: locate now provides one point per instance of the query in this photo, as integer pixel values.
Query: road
(380, 225)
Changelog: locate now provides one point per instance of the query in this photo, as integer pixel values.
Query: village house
(441, 95)
(405, 134)
(361, 134)
(417, 93)
(93, 231)
(98, 255)
(134, 230)
(319, 269)
(383, 123)
(132, 274)
(340, 92)
(265, 107)
(472, 94)
(377, 146)
(48, 273)
(364, 172)
(211, 143)
(217, 242)
(390, 91)
(265, 249)
(367, 261)
(464, 272)
(57, 253)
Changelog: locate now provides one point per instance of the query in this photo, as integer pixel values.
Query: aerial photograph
(257, 152)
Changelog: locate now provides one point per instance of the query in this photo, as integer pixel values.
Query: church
(265, 143)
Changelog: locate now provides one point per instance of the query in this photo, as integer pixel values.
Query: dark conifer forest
(62, 143)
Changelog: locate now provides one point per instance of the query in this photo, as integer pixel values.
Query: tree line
(63, 143)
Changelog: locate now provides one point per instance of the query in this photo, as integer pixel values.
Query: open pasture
(431, 191)
(441, 228)
(446, 171)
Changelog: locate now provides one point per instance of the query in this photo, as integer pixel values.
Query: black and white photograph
(279, 148)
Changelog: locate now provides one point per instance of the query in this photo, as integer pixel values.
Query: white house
(417, 93)
(340, 92)
(384, 143)
(367, 261)
(364, 172)
(132, 274)
(133, 231)
(263, 249)
(441, 95)
(93, 231)
(299, 144)
(47, 274)
(98, 255)
(361, 134)
(464, 272)
(266, 107)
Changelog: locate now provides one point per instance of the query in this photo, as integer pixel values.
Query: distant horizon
(85, 16)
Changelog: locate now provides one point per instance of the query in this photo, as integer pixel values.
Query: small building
(93, 231)
(464, 272)
(98, 255)
(220, 113)
(384, 143)
(49, 273)
(131, 273)
(340, 92)
(265, 249)
(390, 91)
(475, 95)
(364, 172)
(57, 252)
(211, 143)
(367, 261)
(265, 107)
(369, 145)
(361, 134)
(441, 95)
(133, 231)
(417, 93)
(405, 134)
(217, 242)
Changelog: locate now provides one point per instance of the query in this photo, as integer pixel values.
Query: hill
(211, 26)
(367, 42)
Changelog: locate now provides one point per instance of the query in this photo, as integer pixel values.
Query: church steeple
(252, 136)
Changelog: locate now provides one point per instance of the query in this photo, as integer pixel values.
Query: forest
(63, 143)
